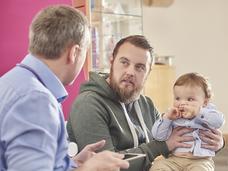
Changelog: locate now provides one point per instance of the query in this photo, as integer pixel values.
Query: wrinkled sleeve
(29, 132)
(210, 117)
(162, 129)
(90, 113)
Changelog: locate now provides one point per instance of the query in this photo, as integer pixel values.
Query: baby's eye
(177, 98)
(190, 99)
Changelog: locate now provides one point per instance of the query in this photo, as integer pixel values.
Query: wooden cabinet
(159, 86)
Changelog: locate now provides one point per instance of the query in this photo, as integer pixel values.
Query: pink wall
(15, 17)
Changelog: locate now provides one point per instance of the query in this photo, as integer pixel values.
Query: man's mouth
(128, 82)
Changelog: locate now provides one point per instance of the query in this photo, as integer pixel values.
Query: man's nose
(130, 70)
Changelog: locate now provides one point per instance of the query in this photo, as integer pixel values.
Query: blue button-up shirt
(208, 118)
(32, 128)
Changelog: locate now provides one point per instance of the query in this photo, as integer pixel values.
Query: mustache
(129, 79)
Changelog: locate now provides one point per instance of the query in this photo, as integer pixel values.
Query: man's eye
(140, 68)
(124, 62)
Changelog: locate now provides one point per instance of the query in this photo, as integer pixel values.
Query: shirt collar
(50, 80)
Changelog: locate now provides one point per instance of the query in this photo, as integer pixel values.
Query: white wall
(196, 33)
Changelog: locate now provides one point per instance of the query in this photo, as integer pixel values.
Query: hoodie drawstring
(131, 125)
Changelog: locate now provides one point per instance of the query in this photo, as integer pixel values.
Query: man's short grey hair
(56, 28)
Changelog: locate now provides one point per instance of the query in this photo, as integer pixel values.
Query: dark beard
(126, 96)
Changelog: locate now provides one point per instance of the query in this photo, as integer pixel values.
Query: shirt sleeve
(210, 117)
(162, 129)
(30, 132)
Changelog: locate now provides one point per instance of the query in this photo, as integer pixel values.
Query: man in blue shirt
(32, 128)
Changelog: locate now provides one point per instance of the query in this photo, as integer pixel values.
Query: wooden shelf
(159, 86)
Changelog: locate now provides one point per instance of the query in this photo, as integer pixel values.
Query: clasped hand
(212, 139)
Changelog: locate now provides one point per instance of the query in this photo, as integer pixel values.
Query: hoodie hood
(97, 83)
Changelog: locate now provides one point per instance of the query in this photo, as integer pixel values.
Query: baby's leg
(206, 164)
(166, 164)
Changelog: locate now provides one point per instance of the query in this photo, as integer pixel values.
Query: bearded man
(111, 107)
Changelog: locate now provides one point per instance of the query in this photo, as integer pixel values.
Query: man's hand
(88, 151)
(177, 138)
(213, 139)
(105, 161)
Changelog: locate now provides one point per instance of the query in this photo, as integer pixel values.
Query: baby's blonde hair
(195, 79)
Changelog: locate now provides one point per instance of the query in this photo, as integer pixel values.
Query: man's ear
(111, 60)
(74, 53)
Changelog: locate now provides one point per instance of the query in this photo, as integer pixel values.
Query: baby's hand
(187, 111)
(172, 114)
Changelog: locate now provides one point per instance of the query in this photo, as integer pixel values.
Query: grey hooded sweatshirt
(97, 114)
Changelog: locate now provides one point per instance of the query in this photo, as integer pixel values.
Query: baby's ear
(206, 101)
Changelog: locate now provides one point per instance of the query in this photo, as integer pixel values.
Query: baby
(192, 93)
